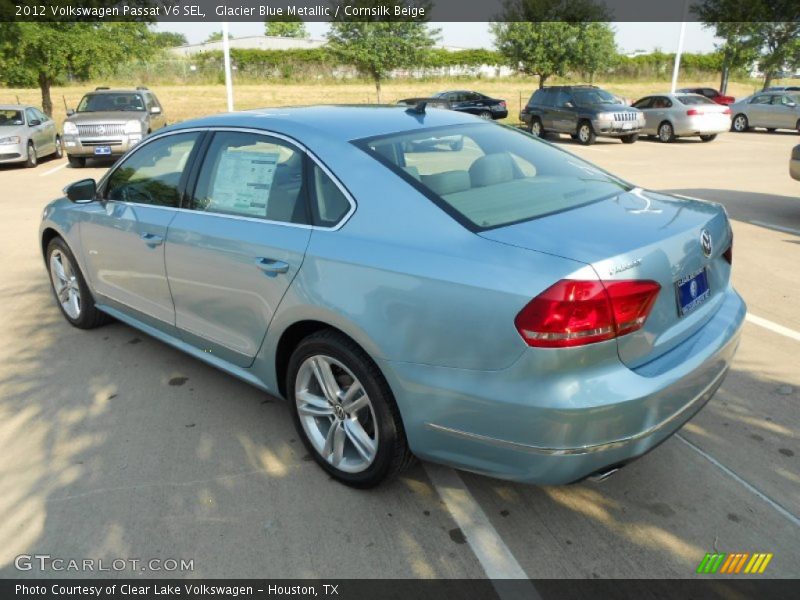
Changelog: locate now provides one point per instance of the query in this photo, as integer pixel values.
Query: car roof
(115, 91)
(342, 122)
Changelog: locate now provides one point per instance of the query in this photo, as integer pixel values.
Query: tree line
(540, 38)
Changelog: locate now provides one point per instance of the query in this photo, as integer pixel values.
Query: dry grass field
(185, 102)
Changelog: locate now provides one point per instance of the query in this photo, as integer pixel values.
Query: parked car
(783, 88)
(464, 101)
(794, 163)
(583, 111)
(26, 135)
(771, 110)
(670, 116)
(709, 93)
(107, 123)
(505, 307)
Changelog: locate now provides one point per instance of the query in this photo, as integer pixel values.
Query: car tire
(770, 130)
(797, 125)
(69, 288)
(31, 161)
(486, 115)
(536, 128)
(76, 162)
(740, 123)
(666, 133)
(630, 139)
(586, 134)
(360, 448)
(59, 153)
(709, 138)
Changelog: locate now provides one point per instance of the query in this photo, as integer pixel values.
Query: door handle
(271, 266)
(151, 239)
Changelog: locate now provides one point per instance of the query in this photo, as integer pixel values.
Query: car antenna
(418, 108)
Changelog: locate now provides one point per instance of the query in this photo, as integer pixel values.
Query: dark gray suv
(582, 111)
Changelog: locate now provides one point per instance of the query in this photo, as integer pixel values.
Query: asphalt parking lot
(114, 445)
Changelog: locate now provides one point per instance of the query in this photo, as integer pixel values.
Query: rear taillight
(693, 112)
(503, 103)
(575, 313)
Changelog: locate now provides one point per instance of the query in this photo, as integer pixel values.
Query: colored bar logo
(734, 563)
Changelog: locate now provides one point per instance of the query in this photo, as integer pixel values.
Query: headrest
(492, 169)
(448, 182)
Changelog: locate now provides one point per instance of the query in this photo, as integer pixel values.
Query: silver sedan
(26, 135)
(669, 116)
(771, 110)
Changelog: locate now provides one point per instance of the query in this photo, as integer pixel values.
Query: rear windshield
(486, 175)
(692, 100)
(111, 102)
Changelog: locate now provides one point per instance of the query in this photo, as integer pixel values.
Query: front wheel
(70, 289)
(59, 152)
(666, 133)
(630, 139)
(709, 137)
(586, 134)
(536, 127)
(76, 162)
(344, 411)
(31, 160)
(740, 123)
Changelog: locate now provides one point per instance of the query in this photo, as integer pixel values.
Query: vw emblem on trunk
(705, 242)
(100, 130)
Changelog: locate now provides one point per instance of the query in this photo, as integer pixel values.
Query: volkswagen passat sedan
(497, 304)
(670, 116)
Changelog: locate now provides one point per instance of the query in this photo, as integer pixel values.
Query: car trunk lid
(644, 236)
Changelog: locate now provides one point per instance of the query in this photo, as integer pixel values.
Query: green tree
(289, 26)
(169, 39)
(766, 31)
(44, 53)
(551, 37)
(374, 47)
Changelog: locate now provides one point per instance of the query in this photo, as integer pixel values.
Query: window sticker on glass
(243, 181)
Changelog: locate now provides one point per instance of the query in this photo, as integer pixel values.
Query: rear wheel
(536, 127)
(31, 160)
(70, 289)
(666, 133)
(59, 148)
(485, 114)
(740, 123)
(708, 138)
(76, 162)
(344, 411)
(586, 134)
(630, 139)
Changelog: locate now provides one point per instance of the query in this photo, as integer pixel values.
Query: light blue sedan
(414, 282)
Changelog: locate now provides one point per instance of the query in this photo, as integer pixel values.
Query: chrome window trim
(301, 147)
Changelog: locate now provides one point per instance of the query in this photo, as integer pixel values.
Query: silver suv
(107, 123)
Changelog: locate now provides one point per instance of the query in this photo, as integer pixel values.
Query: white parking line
(755, 491)
(489, 548)
(53, 170)
(774, 327)
(775, 227)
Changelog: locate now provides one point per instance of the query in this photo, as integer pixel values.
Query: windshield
(693, 100)
(487, 175)
(110, 102)
(11, 118)
(592, 97)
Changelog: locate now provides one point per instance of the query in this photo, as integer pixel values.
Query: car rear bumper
(703, 126)
(548, 420)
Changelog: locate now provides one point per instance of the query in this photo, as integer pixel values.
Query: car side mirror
(82, 192)
(34, 122)
(70, 112)
(155, 110)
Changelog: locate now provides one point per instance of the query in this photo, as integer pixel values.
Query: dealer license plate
(692, 290)
(102, 150)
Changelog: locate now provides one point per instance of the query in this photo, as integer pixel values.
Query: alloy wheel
(486, 115)
(336, 414)
(665, 132)
(65, 284)
(583, 133)
(740, 123)
(536, 128)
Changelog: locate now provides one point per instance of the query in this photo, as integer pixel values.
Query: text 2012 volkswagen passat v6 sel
(414, 282)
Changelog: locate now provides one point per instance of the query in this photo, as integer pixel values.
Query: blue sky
(630, 36)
